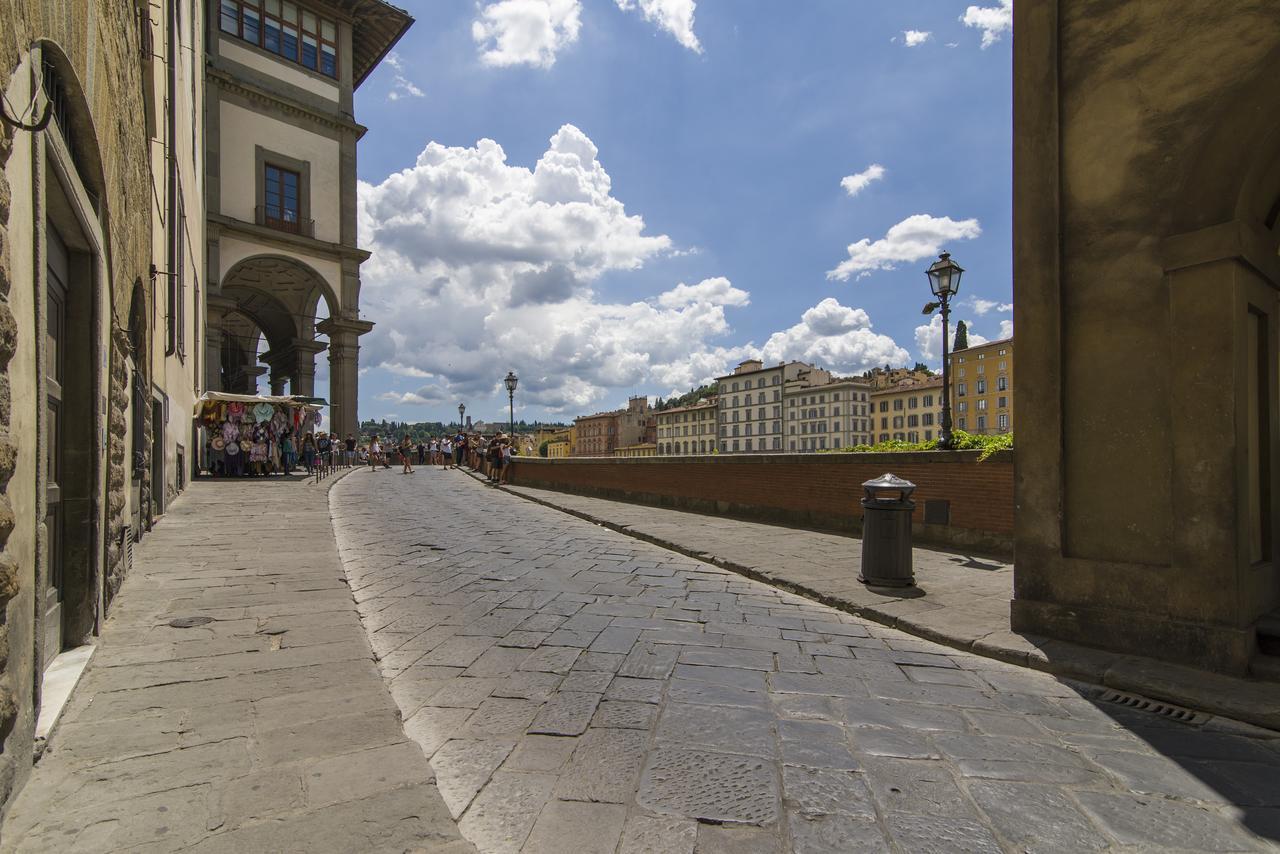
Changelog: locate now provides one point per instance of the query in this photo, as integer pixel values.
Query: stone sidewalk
(267, 727)
(961, 600)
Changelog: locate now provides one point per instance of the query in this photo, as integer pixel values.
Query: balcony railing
(282, 220)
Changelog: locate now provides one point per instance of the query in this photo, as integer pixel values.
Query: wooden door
(55, 439)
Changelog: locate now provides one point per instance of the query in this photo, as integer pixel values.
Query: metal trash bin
(886, 532)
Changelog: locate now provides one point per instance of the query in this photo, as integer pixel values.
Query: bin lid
(888, 481)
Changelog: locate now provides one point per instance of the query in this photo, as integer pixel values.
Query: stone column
(344, 371)
(216, 308)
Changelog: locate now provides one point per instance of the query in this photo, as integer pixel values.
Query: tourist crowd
(488, 455)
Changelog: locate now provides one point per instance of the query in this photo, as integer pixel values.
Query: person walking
(324, 453)
(351, 450)
(309, 453)
(375, 451)
(446, 452)
(406, 451)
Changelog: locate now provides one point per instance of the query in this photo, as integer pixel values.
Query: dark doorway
(157, 456)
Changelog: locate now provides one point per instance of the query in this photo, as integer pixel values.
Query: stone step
(1265, 667)
(1269, 625)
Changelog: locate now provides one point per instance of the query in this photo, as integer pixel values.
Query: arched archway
(276, 298)
(301, 315)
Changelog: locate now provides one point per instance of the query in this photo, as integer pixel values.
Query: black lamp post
(944, 280)
(462, 425)
(510, 382)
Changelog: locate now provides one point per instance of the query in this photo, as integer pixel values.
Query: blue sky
(638, 145)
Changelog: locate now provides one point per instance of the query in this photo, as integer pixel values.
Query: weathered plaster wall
(1134, 123)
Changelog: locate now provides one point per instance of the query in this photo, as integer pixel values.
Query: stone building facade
(75, 307)
(688, 430)
(982, 388)
(283, 260)
(751, 406)
(823, 412)
(910, 411)
(1146, 238)
(602, 433)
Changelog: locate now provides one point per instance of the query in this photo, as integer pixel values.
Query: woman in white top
(375, 451)
(446, 452)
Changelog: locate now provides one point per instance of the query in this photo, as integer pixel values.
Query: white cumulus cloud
(526, 32)
(835, 337)
(929, 340)
(918, 236)
(1006, 329)
(857, 182)
(717, 291)
(992, 20)
(915, 38)
(982, 306)
(480, 265)
(674, 16)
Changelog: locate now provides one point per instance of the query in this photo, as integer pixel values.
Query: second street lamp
(510, 382)
(944, 280)
(462, 425)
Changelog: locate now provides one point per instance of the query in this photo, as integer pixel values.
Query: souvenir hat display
(254, 434)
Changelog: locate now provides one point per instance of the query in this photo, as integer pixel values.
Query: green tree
(962, 336)
(542, 449)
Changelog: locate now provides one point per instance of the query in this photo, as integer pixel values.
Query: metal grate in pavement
(1155, 707)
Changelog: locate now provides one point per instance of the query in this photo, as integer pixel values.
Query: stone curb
(1240, 704)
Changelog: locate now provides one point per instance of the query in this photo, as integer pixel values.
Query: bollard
(886, 532)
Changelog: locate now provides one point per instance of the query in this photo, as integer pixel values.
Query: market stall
(246, 434)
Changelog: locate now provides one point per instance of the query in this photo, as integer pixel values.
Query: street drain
(1155, 707)
(189, 622)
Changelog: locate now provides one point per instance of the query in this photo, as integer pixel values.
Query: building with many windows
(280, 156)
(822, 412)
(751, 406)
(602, 433)
(688, 429)
(982, 388)
(910, 411)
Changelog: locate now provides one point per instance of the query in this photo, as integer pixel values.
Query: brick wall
(812, 490)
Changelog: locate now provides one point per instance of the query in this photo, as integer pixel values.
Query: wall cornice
(225, 79)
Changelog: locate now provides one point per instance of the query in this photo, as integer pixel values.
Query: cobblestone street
(579, 691)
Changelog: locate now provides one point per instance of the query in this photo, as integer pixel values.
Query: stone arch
(279, 295)
(286, 275)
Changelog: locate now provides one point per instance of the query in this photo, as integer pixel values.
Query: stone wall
(810, 490)
(100, 41)
(1146, 159)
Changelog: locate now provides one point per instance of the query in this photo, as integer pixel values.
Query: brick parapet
(813, 490)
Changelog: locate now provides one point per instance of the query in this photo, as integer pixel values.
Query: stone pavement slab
(960, 599)
(721, 714)
(267, 727)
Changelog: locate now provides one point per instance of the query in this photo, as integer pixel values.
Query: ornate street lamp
(944, 280)
(462, 425)
(510, 383)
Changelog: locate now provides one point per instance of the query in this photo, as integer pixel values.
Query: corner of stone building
(12, 769)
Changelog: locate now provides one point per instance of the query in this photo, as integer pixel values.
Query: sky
(624, 197)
